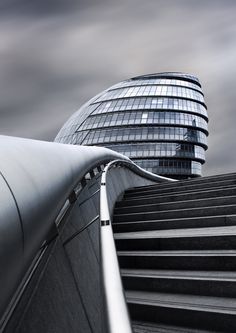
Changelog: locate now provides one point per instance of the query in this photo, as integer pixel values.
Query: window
(144, 117)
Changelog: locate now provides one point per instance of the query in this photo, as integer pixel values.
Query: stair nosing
(187, 305)
(177, 253)
(180, 275)
(179, 233)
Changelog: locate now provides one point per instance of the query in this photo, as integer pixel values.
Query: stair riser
(181, 197)
(181, 243)
(181, 317)
(181, 286)
(220, 263)
(195, 212)
(178, 189)
(173, 224)
(177, 205)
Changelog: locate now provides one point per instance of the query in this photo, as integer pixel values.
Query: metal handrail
(116, 309)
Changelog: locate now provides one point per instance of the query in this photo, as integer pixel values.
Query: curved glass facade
(158, 120)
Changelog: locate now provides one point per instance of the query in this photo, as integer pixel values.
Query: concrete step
(220, 283)
(193, 203)
(147, 327)
(214, 260)
(176, 191)
(178, 188)
(176, 213)
(212, 238)
(199, 180)
(197, 312)
(190, 195)
(176, 246)
(192, 222)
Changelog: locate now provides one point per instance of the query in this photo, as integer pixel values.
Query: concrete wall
(65, 293)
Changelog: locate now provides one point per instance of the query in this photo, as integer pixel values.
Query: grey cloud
(55, 55)
(44, 7)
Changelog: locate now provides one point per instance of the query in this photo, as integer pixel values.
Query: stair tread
(176, 194)
(180, 274)
(183, 301)
(147, 327)
(177, 219)
(178, 187)
(177, 253)
(196, 180)
(175, 210)
(210, 188)
(176, 203)
(180, 183)
(167, 184)
(176, 233)
(171, 224)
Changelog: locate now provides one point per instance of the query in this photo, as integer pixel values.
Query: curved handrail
(117, 313)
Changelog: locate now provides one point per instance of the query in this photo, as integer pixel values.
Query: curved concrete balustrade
(51, 273)
(36, 179)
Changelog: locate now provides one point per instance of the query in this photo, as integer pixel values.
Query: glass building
(157, 120)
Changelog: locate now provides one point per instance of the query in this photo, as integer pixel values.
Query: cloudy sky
(56, 54)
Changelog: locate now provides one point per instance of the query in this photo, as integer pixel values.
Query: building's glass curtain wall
(158, 120)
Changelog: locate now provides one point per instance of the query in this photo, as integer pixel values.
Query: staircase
(176, 245)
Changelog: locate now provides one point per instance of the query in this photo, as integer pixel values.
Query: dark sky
(56, 54)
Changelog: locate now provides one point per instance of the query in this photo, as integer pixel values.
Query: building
(157, 120)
